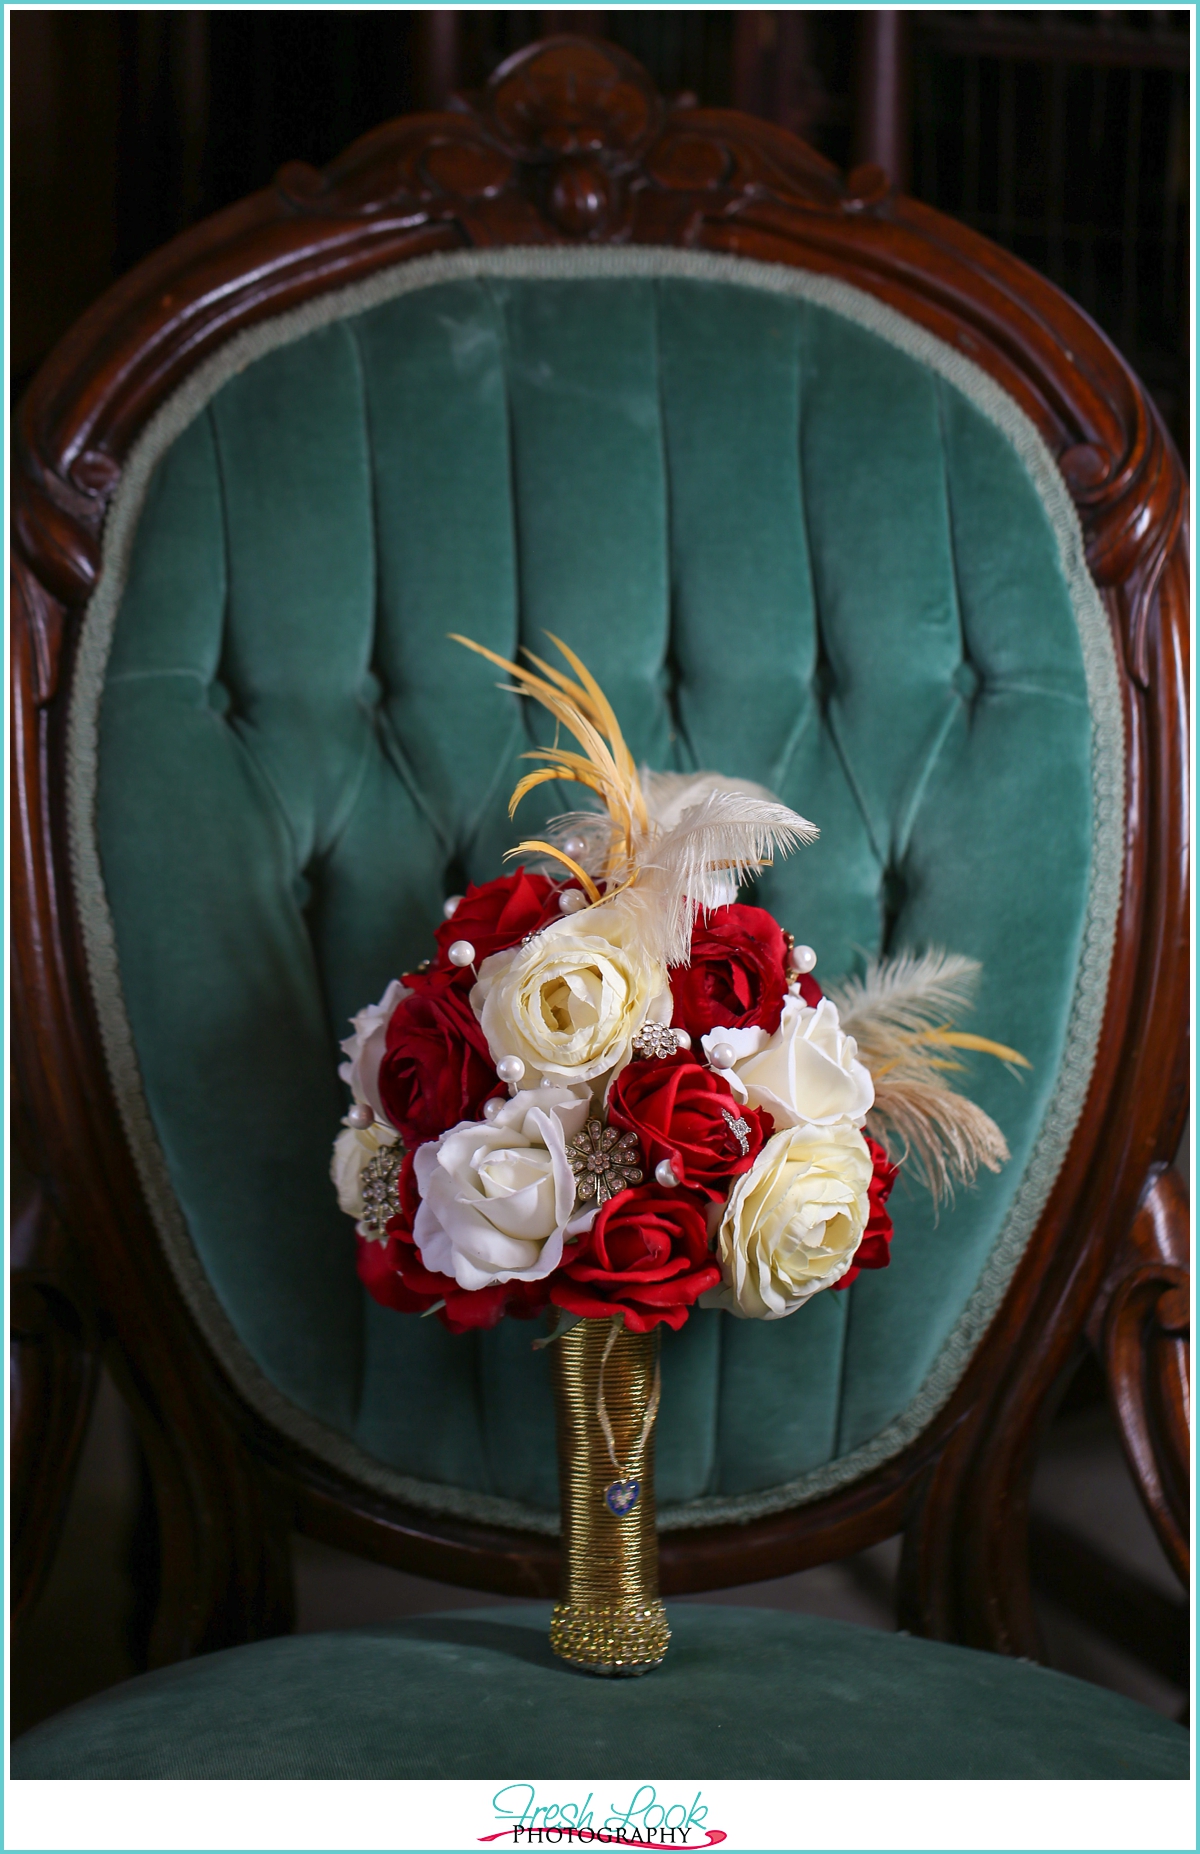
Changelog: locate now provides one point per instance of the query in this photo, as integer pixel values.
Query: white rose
(366, 1048)
(793, 1221)
(497, 1196)
(807, 1073)
(571, 1002)
(354, 1148)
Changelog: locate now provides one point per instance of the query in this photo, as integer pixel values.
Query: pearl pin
(461, 953)
(451, 906)
(803, 959)
(682, 1039)
(492, 1108)
(360, 1115)
(510, 1068)
(664, 1173)
(571, 901)
(574, 847)
(722, 1055)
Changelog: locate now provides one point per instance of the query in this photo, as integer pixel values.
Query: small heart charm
(620, 1497)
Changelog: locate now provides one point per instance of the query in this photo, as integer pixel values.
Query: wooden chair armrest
(1143, 1333)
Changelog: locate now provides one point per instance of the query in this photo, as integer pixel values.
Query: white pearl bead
(492, 1108)
(510, 1068)
(461, 953)
(451, 906)
(722, 1055)
(547, 1081)
(572, 900)
(574, 847)
(803, 959)
(361, 1115)
(682, 1040)
(664, 1173)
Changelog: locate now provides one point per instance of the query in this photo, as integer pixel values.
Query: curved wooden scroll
(1144, 1325)
(568, 144)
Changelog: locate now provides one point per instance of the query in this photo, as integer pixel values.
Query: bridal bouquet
(618, 1092)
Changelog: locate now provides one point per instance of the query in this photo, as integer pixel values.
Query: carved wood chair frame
(569, 144)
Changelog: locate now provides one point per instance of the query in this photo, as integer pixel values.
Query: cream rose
(497, 1196)
(807, 1073)
(353, 1149)
(365, 1048)
(793, 1221)
(570, 1003)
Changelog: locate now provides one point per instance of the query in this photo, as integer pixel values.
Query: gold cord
(609, 1618)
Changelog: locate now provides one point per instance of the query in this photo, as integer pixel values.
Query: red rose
(678, 1111)
(436, 1068)
(645, 1256)
(874, 1251)
(736, 978)
(381, 1271)
(493, 916)
(380, 1264)
(394, 1274)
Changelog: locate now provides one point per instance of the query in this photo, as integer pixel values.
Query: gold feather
(536, 846)
(606, 766)
(716, 832)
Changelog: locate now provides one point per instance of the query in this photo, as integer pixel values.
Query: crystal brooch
(380, 1187)
(604, 1161)
(656, 1040)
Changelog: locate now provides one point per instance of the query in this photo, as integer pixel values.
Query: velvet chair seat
(477, 1693)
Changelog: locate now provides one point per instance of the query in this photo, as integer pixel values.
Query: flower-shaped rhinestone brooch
(604, 1161)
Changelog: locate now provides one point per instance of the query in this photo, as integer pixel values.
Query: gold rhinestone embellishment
(604, 1161)
(380, 1187)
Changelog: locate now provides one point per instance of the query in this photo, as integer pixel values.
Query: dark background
(1063, 134)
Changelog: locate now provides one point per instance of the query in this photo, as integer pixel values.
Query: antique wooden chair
(833, 493)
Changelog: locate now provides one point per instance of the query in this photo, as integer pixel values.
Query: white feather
(723, 840)
(669, 795)
(706, 836)
(594, 829)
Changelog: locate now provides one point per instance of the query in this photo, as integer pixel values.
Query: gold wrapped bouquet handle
(609, 1618)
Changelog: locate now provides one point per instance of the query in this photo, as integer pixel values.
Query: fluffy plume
(669, 795)
(901, 1014)
(716, 846)
(911, 992)
(598, 834)
(945, 1134)
(666, 844)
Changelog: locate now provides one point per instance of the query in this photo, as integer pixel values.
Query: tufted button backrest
(793, 549)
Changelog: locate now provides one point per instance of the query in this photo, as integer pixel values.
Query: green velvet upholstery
(477, 1693)
(792, 552)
